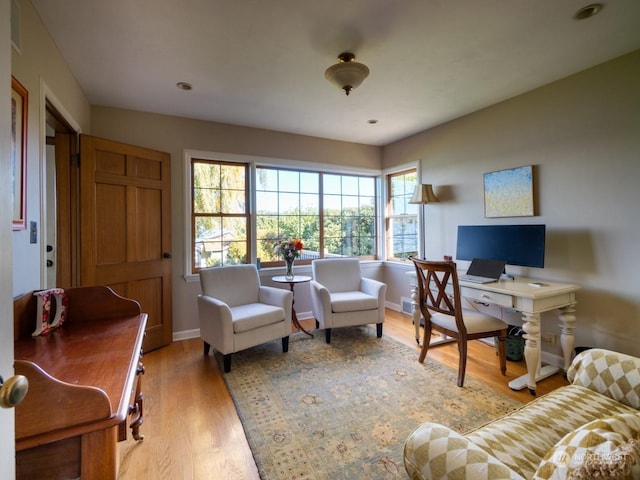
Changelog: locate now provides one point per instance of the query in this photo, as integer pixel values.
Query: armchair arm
(433, 451)
(613, 374)
(372, 287)
(320, 303)
(216, 324)
(278, 297)
(375, 289)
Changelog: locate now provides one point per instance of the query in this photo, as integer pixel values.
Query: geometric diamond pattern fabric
(604, 384)
(434, 451)
(613, 374)
(521, 439)
(600, 443)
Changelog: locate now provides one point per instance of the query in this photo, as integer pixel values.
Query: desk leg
(535, 372)
(532, 348)
(567, 341)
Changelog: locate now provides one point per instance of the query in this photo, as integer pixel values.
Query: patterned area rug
(344, 410)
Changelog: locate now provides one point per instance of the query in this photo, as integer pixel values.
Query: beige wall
(583, 135)
(41, 69)
(175, 134)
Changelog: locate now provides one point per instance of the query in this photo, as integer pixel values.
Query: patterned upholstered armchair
(589, 429)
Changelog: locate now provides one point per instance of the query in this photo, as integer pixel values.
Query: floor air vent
(407, 305)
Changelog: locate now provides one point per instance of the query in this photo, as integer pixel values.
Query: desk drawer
(502, 299)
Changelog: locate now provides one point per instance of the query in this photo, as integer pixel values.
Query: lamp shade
(424, 194)
(347, 74)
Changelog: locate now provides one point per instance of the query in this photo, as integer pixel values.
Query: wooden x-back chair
(439, 300)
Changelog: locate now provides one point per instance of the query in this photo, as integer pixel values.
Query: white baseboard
(396, 307)
(186, 334)
(552, 359)
(547, 358)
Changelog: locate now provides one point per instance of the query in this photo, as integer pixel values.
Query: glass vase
(289, 263)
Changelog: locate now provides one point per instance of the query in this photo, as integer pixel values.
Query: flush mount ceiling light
(347, 74)
(588, 11)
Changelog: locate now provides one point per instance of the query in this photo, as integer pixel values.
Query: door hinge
(75, 159)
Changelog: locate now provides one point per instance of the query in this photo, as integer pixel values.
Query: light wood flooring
(191, 428)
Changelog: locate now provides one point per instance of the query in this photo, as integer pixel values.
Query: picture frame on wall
(509, 193)
(19, 104)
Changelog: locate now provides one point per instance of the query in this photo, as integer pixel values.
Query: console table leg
(567, 340)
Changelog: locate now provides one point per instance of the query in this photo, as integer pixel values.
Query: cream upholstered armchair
(342, 297)
(237, 313)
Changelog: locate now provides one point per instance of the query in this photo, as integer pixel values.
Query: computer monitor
(516, 244)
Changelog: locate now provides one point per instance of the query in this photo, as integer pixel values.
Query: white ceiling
(260, 63)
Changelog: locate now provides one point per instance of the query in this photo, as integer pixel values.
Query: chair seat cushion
(255, 315)
(475, 322)
(352, 302)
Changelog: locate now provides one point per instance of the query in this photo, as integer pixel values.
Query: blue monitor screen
(516, 244)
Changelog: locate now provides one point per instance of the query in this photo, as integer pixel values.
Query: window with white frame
(402, 217)
(333, 214)
(220, 219)
(287, 207)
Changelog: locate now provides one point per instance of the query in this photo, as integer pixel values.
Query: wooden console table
(84, 385)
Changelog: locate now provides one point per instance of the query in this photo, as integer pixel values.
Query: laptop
(483, 271)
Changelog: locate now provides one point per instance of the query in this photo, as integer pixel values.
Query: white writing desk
(531, 302)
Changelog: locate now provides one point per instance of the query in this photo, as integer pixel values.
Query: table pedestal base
(522, 381)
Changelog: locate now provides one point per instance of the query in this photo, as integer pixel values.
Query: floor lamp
(422, 195)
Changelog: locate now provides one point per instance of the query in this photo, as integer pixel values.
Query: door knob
(13, 391)
(166, 255)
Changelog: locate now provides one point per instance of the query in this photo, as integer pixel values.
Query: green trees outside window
(220, 220)
(402, 230)
(333, 214)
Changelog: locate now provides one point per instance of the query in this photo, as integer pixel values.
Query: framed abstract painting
(509, 193)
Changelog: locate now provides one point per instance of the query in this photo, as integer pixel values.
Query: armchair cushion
(236, 285)
(254, 315)
(338, 274)
(352, 301)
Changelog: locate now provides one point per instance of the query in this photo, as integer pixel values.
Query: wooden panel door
(125, 228)
(65, 200)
